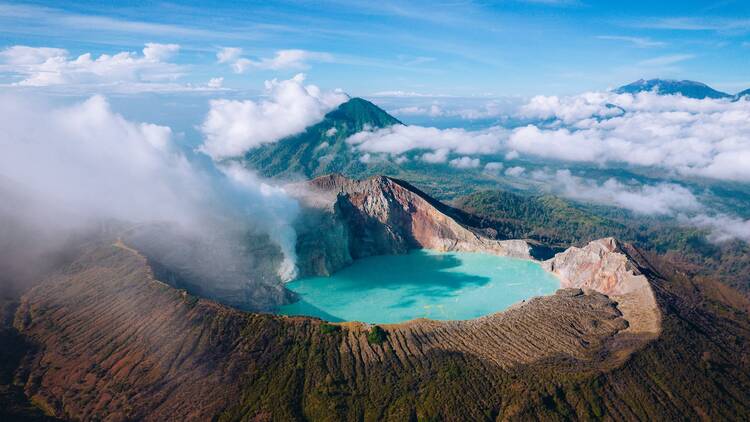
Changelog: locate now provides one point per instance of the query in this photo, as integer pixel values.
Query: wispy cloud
(407, 94)
(408, 60)
(666, 60)
(553, 2)
(635, 41)
(697, 24)
(56, 18)
(283, 59)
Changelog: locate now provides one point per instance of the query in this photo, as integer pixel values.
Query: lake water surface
(421, 284)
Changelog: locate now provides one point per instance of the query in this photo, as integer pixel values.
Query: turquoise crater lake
(421, 284)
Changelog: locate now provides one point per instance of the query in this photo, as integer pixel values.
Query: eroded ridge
(569, 323)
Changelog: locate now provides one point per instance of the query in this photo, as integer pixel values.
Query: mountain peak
(359, 113)
(686, 88)
(322, 148)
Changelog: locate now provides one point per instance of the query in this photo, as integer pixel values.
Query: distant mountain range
(322, 148)
(689, 89)
(745, 93)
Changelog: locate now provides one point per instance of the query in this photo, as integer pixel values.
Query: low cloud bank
(722, 227)
(660, 199)
(400, 139)
(689, 137)
(683, 136)
(71, 167)
(657, 199)
(686, 137)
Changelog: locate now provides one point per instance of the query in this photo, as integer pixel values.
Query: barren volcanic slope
(629, 338)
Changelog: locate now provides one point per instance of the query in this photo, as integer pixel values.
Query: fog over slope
(66, 170)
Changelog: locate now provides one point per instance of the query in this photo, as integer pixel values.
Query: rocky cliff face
(606, 267)
(381, 215)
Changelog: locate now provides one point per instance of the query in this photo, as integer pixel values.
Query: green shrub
(329, 328)
(376, 335)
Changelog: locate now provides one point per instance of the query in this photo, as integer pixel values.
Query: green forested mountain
(322, 148)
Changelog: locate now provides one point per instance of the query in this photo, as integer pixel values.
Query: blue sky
(461, 48)
(483, 86)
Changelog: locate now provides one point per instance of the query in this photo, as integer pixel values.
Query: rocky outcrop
(382, 215)
(605, 266)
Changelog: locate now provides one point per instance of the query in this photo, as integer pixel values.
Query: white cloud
(121, 72)
(233, 127)
(709, 138)
(89, 163)
(215, 82)
(722, 226)
(94, 161)
(398, 139)
(24, 55)
(228, 54)
(658, 199)
(331, 132)
(689, 137)
(464, 163)
(661, 199)
(493, 168)
(160, 52)
(433, 110)
(569, 109)
(515, 171)
(282, 59)
(436, 157)
(464, 108)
